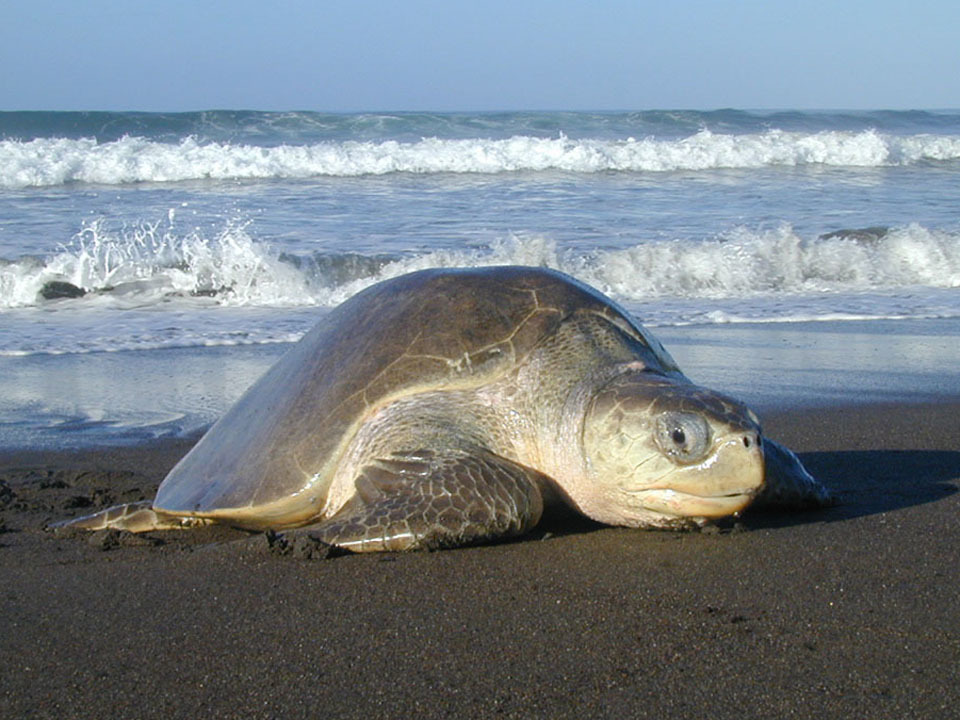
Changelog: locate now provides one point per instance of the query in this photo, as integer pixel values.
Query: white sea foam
(145, 263)
(47, 162)
(148, 288)
(149, 264)
(745, 262)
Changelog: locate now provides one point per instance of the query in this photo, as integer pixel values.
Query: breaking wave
(45, 162)
(147, 264)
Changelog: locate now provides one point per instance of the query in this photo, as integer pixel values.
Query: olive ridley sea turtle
(448, 407)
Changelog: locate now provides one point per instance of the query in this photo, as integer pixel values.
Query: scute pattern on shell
(427, 330)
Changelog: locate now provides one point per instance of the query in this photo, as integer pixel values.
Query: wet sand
(844, 612)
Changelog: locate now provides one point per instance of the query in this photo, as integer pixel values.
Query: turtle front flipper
(426, 500)
(788, 485)
(134, 517)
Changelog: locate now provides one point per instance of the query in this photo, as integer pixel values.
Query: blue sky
(446, 55)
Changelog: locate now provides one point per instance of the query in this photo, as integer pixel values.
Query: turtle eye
(685, 437)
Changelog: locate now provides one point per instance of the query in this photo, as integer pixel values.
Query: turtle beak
(724, 484)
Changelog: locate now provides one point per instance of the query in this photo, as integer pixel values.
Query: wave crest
(148, 263)
(744, 262)
(47, 162)
(143, 263)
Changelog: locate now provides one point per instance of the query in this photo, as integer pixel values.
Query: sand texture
(852, 611)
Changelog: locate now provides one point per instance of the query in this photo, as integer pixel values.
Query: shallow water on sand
(77, 400)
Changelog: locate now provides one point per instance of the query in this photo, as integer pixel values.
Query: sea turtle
(447, 406)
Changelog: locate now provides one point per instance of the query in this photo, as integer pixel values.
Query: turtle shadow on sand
(864, 483)
(870, 482)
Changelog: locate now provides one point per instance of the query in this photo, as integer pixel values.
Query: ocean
(152, 265)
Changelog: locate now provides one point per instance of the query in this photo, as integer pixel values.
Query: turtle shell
(423, 331)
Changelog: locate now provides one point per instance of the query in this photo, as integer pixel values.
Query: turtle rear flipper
(789, 486)
(134, 517)
(425, 500)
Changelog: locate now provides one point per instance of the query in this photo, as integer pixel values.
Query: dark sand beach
(845, 612)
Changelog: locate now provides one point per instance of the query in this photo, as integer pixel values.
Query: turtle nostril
(747, 442)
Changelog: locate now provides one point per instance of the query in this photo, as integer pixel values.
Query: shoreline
(847, 611)
(96, 399)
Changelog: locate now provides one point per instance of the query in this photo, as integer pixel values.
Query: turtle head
(662, 452)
